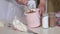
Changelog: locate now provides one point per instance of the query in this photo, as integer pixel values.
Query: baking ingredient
(45, 23)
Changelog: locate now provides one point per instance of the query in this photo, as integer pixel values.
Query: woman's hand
(42, 6)
(22, 2)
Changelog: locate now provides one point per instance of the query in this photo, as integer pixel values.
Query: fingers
(42, 6)
(22, 2)
(25, 2)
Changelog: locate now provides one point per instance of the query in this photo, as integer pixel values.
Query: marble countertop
(40, 30)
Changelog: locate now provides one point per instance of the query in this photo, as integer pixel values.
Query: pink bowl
(33, 19)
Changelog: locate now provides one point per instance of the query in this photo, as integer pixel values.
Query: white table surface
(53, 30)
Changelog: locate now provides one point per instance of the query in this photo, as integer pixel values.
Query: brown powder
(31, 11)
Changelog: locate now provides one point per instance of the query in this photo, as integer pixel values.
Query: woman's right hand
(42, 6)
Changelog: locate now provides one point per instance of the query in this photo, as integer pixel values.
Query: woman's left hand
(22, 1)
